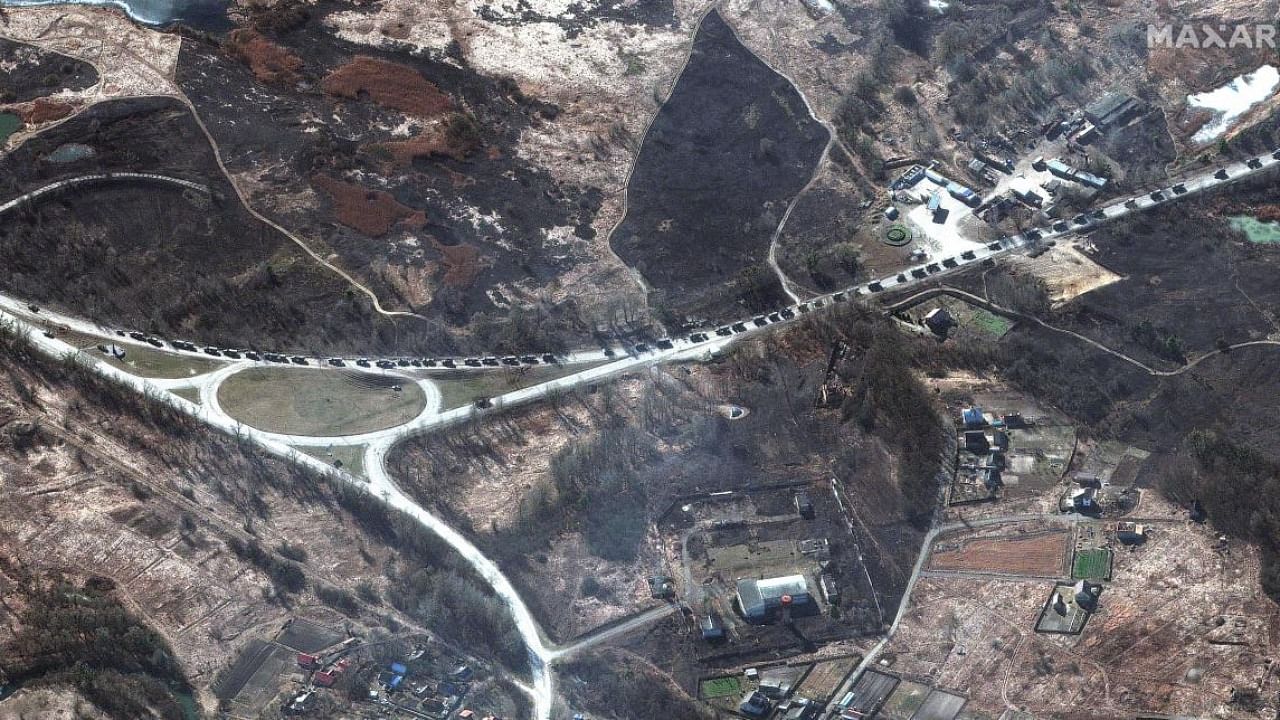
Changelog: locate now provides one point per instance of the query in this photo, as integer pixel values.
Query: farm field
(1092, 564)
(1038, 554)
(825, 677)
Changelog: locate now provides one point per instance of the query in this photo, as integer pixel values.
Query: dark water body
(208, 15)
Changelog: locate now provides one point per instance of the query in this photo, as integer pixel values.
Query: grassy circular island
(324, 403)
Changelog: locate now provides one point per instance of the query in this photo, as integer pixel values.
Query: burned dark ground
(157, 257)
(37, 73)
(483, 213)
(729, 149)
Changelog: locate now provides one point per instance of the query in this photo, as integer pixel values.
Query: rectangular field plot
(719, 687)
(905, 700)
(870, 693)
(1092, 564)
(1039, 554)
(940, 706)
(825, 677)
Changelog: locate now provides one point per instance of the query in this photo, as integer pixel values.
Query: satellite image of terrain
(639, 359)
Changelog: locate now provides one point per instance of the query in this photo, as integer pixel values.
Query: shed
(759, 600)
(973, 417)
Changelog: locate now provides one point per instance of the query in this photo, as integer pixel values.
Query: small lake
(1256, 230)
(209, 15)
(71, 152)
(9, 124)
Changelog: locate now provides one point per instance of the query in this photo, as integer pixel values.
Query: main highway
(599, 364)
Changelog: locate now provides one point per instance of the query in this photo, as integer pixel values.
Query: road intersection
(601, 364)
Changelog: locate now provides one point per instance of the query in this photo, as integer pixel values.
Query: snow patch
(1233, 100)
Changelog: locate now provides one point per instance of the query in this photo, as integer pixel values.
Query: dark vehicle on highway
(759, 321)
(1157, 196)
(1099, 214)
(298, 360)
(1032, 235)
(875, 287)
(362, 362)
(121, 333)
(449, 363)
(471, 362)
(1131, 203)
(818, 303)
(608, 352)
(1275, 156)
(402, 362)
(839, 297)
(154, 342)
(385, 364)
(529, 359)
(490, 361)
(416, 363)
(212, 351)
(994, 246)
(137, 335)
(902, 277)
(1179, 189)
(739, 327)
(968, 254)
(918, 273)
(787, 313)
(933, 268)
(1254, 163)
(950, 262)
(429, 362)
(774, 317)
(1061, 226)
(34, 308)
(511, 360)
(336, 362)
(549, 359)
(234, 354)
(1222, 172)
(251, 355)
(483, 403)
(641, 347)
(664, 344)
(698, 337)
(1080, 220)
(724, 331)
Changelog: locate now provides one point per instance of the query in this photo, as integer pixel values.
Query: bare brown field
(1037, 554)
(388, 84)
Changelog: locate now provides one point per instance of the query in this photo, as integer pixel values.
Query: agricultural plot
(1067, 619)
(825, 677)
(719, 687)
(1092, 564)
(1039, 554)
(905, 700)
(940, 705)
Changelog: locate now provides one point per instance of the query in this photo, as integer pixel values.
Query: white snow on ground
(1233, 100)
(939, 5)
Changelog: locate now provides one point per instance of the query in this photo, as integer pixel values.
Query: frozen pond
(208, 15)
(1233, 100)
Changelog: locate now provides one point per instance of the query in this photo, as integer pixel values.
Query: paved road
(380, 443)
(99, 178)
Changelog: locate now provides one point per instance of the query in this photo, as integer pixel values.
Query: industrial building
(1110, 109)
(760, 600)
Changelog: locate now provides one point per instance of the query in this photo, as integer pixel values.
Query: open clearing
(347, 457)
(1038, 554)
(319, 402)
(148, 363)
